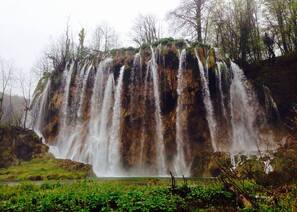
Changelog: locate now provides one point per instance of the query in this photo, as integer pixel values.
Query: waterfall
(180, 164)
(245, 135)
(101, 143)
(77, 132)
(83, 93)
(97, 95)
(43, 103)
(161, 165)
(208, 105)
(114, 147)
(120, 125)
(62, 144)
(270, 105)
(143, 127)
(65, 109)
(222, 96)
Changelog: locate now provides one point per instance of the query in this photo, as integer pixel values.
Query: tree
(26, 87)
(61, 50)
(6, 70)
(146, 30)
(189, 16)
(235, 28)
(281, 21)
(104, 38)
(81, 50)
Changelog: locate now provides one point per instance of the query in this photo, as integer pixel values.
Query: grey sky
(27, 26)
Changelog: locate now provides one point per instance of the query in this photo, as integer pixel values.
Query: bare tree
(6, 70)
(26, 87)
(146, 29)
(189, 17)
(61, 50)
(104, 38)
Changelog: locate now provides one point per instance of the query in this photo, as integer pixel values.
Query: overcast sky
(28, 26)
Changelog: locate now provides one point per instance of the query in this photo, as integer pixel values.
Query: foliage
(96, 196)
(129, 195)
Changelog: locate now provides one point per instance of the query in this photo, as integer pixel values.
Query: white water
(100, 144)
(40, 118)
(208, 105)
(222, 96)
(245, 135)
(161, 164)
(115, 143)
(97, 95)
(270, 104)
(83, 94)
(180, 165)
(64, 131)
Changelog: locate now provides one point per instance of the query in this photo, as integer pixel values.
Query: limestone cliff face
(280, 76)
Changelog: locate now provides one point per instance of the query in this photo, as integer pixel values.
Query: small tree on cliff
(61, 50)
(81, 49)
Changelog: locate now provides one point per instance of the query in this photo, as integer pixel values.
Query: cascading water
(161, 164)
(180, 164)
(101, 143)
(245, 135)
(83, 93)
(119, 128)
(222, 96)
(208, 104)
(43, 103)
(62, 146)
(270, 105)
(114, 158)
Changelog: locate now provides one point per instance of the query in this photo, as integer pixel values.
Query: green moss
(45, 168)
(41, 84)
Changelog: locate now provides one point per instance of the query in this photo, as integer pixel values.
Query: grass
(45, 168)
(90, 195)
(134, 194)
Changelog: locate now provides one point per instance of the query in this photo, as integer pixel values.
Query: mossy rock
(211, 59)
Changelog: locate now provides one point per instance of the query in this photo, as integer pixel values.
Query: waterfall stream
(115, 143)
(180, 164)
(161, 166)
(119, 116)
(208, 104)
(245, 136)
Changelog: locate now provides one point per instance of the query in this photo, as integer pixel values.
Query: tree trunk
(199, 20)
(25, 119)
